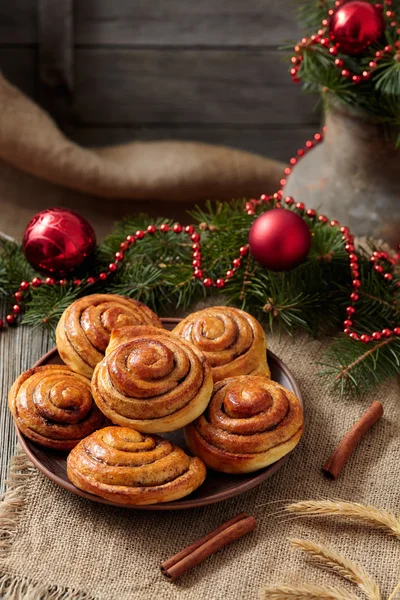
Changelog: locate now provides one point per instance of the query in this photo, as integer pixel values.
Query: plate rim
(184, 503)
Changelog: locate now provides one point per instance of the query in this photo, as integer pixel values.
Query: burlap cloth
(41, 167)
(56, 545)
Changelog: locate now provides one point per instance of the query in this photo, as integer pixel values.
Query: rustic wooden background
(117, 70)
(19, 350)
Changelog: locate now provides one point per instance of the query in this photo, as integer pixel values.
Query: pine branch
(14, 267)
(387, 78)
(141, 281)
(357, 367)
(47, 304)
(310, 14)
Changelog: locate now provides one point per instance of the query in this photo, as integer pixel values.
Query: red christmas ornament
(58, 240)
(355, 25)
(279, 239)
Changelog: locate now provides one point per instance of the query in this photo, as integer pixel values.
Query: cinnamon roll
(153, 381)
(84, 329)
(53, 406)
(250, 423)
(233, 341)
(125, 466)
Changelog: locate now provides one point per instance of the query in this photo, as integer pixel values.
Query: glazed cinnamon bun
(84, 329)
(151, 380)
(250, 423)
(128, 467)
(233, 341)
(53, 406)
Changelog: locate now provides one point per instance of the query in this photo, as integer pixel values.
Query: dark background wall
(117, 70)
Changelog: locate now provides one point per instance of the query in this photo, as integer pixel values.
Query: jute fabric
(58, 546)
(41, 167)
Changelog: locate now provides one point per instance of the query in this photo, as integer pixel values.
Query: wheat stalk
(305, 592)
(367, 515)
(393, 594)
(331, 559)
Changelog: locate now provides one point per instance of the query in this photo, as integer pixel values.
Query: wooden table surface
(20, 348)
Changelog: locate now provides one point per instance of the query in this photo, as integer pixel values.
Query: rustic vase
(353, 176)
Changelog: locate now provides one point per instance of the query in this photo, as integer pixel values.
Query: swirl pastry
(53, 406)
(250, 423)
(232, 340)
(123, 465)
(153, 381)
(84, 329)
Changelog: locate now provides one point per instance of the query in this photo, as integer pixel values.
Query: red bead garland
(381, 261)
(274, 201)
(376, 259)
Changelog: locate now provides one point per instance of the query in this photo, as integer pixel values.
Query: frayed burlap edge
(12, 505)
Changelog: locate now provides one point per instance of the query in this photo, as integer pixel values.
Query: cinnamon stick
(194, 554)
(339, 458)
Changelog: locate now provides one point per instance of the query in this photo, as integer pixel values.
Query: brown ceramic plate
(217, 486)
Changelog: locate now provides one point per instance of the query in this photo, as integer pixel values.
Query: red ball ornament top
(355, 25)
(280, 239)
(58, 240)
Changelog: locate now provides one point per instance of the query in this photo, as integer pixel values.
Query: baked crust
(53, 406)
(233, 341)
(250, 423)
(125, 466)
(84, 330)
(151, 380)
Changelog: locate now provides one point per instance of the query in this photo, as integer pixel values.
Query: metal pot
(352, 176)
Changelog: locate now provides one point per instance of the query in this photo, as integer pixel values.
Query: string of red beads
(119, 256)
(275, 200)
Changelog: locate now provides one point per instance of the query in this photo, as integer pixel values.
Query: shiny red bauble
(280, 239)
(355, 25)
(58, 240)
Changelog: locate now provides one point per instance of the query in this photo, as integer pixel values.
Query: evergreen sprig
(14, 267)
(358, 368)
(313, 297)
(49, 302)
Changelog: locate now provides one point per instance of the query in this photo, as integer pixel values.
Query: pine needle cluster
(313, 297)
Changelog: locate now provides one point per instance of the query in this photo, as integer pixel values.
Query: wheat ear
(331, 559)
(393, 594)
(305, 592)
(368, 515)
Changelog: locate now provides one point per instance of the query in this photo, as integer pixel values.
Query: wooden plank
(122, 22)
(222, 23)
(18, 66)
(22, 347)
(18, 21)
(247, 86)
(279, 143)
(55, 44)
